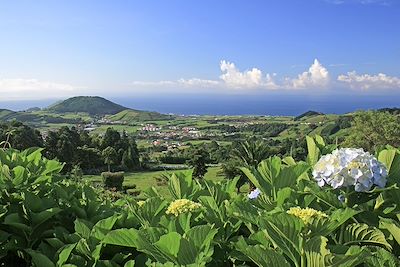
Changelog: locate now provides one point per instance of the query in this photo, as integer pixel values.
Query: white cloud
(198, 82)
(148, 83)
(316, 76)
(367, 81)
(32, 88)
(234, 78)
(193, 82)
(231, 77)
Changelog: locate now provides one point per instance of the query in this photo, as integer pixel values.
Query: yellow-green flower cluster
(141, 203)
(306, 214)
(182, 206)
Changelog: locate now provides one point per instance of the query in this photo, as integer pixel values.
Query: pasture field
(146, 179)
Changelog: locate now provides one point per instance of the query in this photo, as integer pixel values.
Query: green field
(146, 179)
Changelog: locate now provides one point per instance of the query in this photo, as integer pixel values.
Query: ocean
(291, 105)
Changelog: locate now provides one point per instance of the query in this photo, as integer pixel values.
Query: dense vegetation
(47, 219)
(77, 148)
(267, 129)
(373, 130)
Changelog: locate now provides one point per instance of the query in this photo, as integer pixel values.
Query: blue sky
(52, 49)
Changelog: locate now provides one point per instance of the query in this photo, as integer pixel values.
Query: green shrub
(113, 180)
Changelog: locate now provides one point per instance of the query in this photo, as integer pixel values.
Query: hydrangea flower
(254, 194)
(183, 206)
(341, 198)
(350, 167)
(306, 214)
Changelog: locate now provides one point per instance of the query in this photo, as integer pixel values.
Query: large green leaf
(41, 217)
(214, 212)
(255, 178)
(64, 254)
(169, 243)
(261, 256)
(188, 254)
(33, 202)
(392, 227)
(283, 230)
(382, 257)
(15, 221)
(20, 175)
(363, 234)
(145, 242)
(102, 227)
(313, 151)
(201, 236)
(326, 226)
(53, 166)
(35, 155)
(245, 211)
(82, 228)
(316, 251)
(150, 212)
(324, 196)
(181, 186)
(40, 259)
(122, 237)
(289, 175)
(391, 159)
(270, 169)
(350, 257)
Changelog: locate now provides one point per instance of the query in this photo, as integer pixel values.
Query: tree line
(117, 151)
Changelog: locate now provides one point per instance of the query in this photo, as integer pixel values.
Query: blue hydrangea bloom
(254, 194)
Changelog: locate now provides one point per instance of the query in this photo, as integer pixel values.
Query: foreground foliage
(48, 220)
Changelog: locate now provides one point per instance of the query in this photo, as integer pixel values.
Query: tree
(63, 145)
(373, 129)
(111, 138)
(89, 158)
(110, 156)
(198, 161)
(21, 135)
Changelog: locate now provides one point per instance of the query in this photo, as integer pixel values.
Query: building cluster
(169, 133)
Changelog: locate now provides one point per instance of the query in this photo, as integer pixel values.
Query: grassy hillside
(307, 114)
(131, 115)
(92, 105)
(5, 113)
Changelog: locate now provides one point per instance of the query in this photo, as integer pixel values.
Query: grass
(146, 179)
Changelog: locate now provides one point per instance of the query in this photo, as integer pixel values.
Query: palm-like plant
(246, 154)
(251, 152)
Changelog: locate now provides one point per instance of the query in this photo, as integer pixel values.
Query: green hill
(92, 105)
(309, 113)
(5, 114)
(131, 115)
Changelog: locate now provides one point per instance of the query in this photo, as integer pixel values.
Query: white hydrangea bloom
(350, 166)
